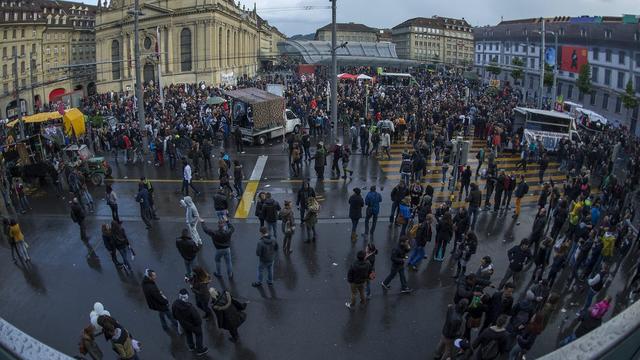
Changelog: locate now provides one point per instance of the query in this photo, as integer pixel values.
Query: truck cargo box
(256, 109)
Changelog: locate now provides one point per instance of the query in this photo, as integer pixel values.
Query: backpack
(490, 350)
(375, 138)
(598, 310)
(413, 231)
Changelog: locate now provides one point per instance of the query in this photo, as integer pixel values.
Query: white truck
(261, 115)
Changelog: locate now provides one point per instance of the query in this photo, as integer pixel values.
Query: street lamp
(555, 63)
(334, 71)
(138, 91)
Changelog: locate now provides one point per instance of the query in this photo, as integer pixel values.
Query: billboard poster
(572, 59)
(550, 56)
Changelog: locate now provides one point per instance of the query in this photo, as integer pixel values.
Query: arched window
(185, 50)
(115, 60)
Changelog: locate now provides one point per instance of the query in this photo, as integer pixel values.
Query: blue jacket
(373, 200)
(405, 210)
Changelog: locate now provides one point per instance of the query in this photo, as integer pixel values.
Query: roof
(353, 27)
(547, 113)
(252, 95)
(434, 22)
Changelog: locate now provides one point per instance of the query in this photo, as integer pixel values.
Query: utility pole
(16, 85)
(542, 62)
(32, 63)
(334, 71)
(139, 92)
(555, 65)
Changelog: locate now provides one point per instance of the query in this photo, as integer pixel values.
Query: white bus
(547, 126)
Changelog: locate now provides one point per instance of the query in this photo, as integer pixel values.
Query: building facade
(269, 36)
(215, 41)
(610, 46)
(40, 40)
(348, 32)
(436, 40)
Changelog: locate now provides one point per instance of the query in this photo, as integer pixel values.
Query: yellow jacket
(15, 233)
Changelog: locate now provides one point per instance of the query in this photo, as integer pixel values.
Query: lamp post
(555, 62)
(138, 90)
(542, 62)
(334, 71)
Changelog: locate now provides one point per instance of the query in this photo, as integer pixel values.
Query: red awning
(56, 94)
(345, 76)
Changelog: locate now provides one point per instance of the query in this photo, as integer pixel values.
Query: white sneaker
(348, 304)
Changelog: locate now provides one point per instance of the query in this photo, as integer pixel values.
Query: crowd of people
(582, 229)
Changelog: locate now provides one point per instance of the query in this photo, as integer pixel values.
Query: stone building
(46, 37)
(348, 32)
(215, 41)
(436, 40)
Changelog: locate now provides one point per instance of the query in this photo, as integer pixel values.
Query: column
(200, 51)
(169, 50)
(208, 44)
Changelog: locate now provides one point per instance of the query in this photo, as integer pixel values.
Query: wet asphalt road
(302, 316)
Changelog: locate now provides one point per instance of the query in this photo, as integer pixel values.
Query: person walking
(109, 244)
(17, 238)
(543, 164)
(518, 256)
(311, 219)
(156, 301)
(187, 178)
(229, 312)
(200, 288)
(453, 327)
(189, 319)
(465, 182)
(372, 201)
(305, 192)
(397, 194)
(320, 158)
(192, 218)
(423, 236)
(238, 176)
(356, 203)
(444, 232)
(78, 216)
(270, 210)
(121, 242)
(144, 199)
(521, 191)
(357, 276)
(480, 157)
(221, 238)
(475, 201)
(397, 265)
(112, 201)
(121, 342)
(88, 345)
(492, 341)
(188, 250)
(266, 252)
(288, 222)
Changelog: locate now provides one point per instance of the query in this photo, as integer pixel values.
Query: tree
(548, 75)
(629, 99)
(493, 68)
(517, 72)
(584, 80)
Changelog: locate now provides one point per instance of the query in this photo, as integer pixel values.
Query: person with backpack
(521, 191)
(320, 158)
(397, 194)
(305, 192)
(156, 301)
(595, 284)
(78, 216)
(270, 211)
(230, 313)
(266, 252)
(88, 345)
(422, 237)
(492, 341)
(122, 343)
(372, 201)
(311, 218)
(190, 322)
(397, 265)
(188, 250)
(589, 321)
(357, 276)
(288, 223)
(465, 250)
(452, 329)
(405, 168)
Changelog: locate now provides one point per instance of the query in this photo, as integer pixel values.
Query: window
(620, 80)
(4, 71)
(605, 101)
(14, 34)
(532, 63)
(4, 35)
(607, 34)
(607, 77)
(592, 100)
(570, 91)
(638, 59)
(4, 52)
(33, 49)
(185, 50)
(22, 67)
(594, 74)
(607, 55)
(638, 83)
(596, 54)
(22, 33)
(621, 56)
(558, 89)
(22, 50)
(115, 60)
(618, 104)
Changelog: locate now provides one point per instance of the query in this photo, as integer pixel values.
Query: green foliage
(96, 121)
(517, 73)
(494, 69)
(629, 99)
(548, 75)
(583, 83)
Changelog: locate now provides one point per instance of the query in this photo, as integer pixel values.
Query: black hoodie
(187, 315)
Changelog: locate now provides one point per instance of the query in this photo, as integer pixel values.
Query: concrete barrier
(23, 346)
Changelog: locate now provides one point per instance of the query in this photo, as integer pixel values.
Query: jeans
(268, 266)
(167, 315)
(145, 214)
(114, 212)
(198, 335)
(473, 214)
(395, 206)
(123, 252)
(508, 275)
(188, 265)
(590, 295)
(396, 270)
(354, 225)
(22, 250)
(272, 226)
(226, 254)
(406, 178)
(185, 187)
(416, 255)
(237, 184)
(373, 223)
(83, 230)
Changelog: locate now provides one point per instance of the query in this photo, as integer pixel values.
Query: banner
(550, 56)
(573, 58)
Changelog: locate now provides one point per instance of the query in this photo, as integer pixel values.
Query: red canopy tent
(345, 76)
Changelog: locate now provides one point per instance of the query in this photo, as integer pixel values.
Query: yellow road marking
(244, 206)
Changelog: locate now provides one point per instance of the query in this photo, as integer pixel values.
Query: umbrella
(215, 100)
(345, 76)
(364, 77)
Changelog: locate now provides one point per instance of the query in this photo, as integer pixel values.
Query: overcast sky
(287, 16)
